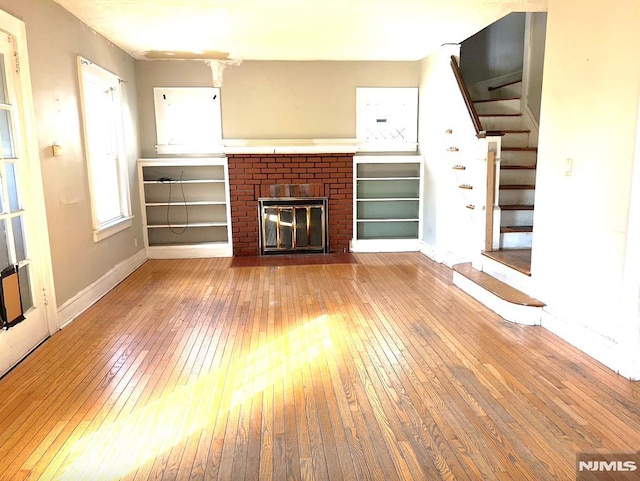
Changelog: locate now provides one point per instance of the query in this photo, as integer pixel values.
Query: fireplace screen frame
(288, 230)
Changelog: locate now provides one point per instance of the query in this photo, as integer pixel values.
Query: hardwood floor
(376, 370)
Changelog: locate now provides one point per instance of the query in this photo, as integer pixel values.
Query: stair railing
(491, 147)
(465, 96)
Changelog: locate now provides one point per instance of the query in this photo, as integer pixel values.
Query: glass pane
(286, 228)
(301, 227)
(6, 133)
(270, 220)
(3, 207)
(317, 227)
(25, 287)
(12, 188)
(106, 188)
(3, 82)
(4, 250)
(18, 238)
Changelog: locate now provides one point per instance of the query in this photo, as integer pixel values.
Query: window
(104, 145)
(387, 119)
(188, 120)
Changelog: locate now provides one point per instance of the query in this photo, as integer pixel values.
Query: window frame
(213, 145)
(90, 72)
(406, 95)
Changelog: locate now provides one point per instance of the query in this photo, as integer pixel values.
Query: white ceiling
(290, 29)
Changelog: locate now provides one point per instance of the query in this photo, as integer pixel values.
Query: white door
(23, 237)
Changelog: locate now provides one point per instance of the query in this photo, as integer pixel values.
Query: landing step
(496, 286)
(516, 259)
(508, 302)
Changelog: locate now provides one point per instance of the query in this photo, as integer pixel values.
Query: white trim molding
(87, 297)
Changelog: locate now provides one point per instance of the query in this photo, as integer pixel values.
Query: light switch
(568, 167)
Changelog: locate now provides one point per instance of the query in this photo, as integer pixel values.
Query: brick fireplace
(252, 175)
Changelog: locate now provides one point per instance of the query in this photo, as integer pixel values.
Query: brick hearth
(251, 175)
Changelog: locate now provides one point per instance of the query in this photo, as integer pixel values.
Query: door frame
(25, 337)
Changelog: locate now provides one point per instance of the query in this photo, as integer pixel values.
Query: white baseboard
(385, 245)
(440, 256)
(428, 250)
(603, 349)
(94, 292)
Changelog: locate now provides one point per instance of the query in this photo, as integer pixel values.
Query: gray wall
(494, 51)
(55, 38)
(275, 100)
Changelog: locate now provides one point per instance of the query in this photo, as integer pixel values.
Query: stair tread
(509, 131)
(517, 186)
(484, 101)
(517, 207)
(497, 87)
(496, 287)
(510, 229)
(518, 167)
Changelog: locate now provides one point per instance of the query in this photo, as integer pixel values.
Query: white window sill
(112, 228)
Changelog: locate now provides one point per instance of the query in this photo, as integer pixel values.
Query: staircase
(505, 274)
(502, 112)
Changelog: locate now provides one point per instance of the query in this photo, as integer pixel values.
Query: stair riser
(502, 123)
(516, 217)
(515, 139)
(508, 176)
(511, 106)
(516, 240)
(517, 197)
(510, 157)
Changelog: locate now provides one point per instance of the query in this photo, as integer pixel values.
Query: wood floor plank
(375, 370)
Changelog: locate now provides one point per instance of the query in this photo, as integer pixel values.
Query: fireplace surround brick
(250, 176)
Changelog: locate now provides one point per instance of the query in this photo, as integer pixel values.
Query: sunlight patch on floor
(119, 448)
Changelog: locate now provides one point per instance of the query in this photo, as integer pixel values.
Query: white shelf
(178, 203)
(387, 203)
(388, 220)
(196, 181)
(189, 217)
(182, 226)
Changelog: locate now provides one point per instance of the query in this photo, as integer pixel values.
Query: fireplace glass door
(292, 226)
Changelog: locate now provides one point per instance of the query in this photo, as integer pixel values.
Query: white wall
(589, 114)
(447, 222)
(537, 39)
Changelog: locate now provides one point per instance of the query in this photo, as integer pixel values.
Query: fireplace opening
(293, 225)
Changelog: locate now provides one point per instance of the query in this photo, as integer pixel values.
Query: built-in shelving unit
(387, 203)
(185, 207)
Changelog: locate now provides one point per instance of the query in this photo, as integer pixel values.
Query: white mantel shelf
(290, 146)
(287, 146)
